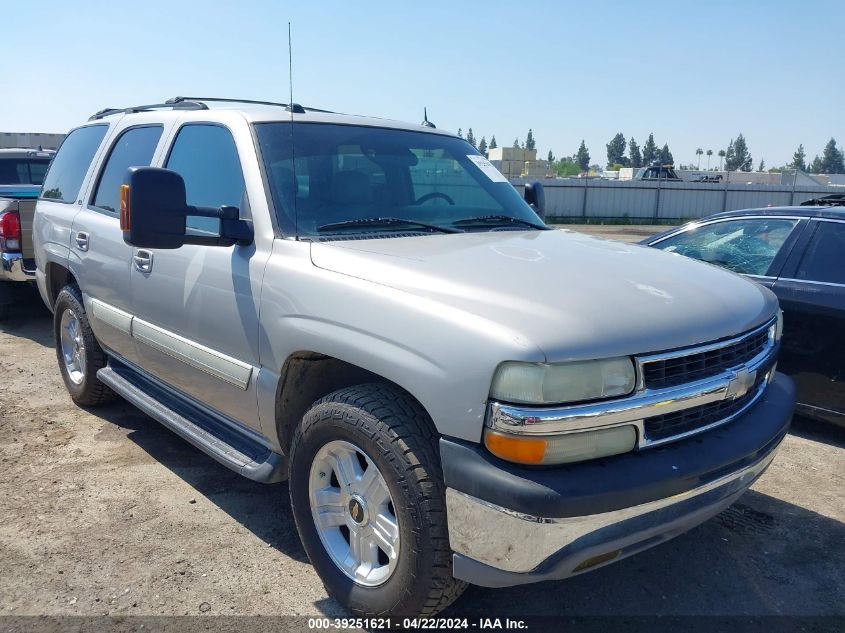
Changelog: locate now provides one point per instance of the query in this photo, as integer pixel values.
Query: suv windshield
(331, 180)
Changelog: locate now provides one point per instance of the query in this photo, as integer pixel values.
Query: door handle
(82, 238)
(143, 260)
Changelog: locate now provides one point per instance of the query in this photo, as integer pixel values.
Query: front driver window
(207, 159)
(745, 246)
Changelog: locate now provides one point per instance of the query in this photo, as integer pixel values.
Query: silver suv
(455, 392)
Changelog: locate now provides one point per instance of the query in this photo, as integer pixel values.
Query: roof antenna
(292, 107)
(426, 122)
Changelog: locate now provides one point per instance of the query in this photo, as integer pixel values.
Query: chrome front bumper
(511, 524)
(496, 547)
(12, 268)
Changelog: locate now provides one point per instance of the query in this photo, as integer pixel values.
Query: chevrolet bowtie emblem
(741, 383)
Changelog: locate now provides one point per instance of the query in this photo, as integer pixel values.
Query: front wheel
(368, 500)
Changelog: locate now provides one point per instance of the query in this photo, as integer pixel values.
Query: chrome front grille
(696, 419)
(749, 357)
(679, 370)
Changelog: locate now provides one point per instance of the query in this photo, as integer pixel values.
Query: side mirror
(536, 197)
(154, 212)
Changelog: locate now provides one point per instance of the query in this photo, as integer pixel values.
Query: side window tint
(64, 178)
(824, 259)
(134, 148)
(743, 246)
(206, 157)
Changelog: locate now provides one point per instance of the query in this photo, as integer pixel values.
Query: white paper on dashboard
(487, 168)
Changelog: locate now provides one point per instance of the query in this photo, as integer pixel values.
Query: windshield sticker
(487, 168)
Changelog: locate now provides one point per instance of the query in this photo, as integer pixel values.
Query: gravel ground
(106, 512)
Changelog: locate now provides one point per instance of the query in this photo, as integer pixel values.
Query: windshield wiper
(361, 222)
(499, 219)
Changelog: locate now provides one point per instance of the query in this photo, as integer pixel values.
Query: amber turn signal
(125, 211)
(523, 450)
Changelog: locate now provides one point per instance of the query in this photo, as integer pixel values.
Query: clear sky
(695, 74)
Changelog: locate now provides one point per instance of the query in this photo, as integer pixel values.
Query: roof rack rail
(833, 200)
(180, 105)
(294, 106)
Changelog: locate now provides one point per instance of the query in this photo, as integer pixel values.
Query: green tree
(471, 137)
(635, 158)
(649, 151)
(816, 166)
(762, 165)
(799, 159)
(529, 140)
(832, 159)
(738, 157)
(482, 147)
(616, 151)
(582, 157)
(460, 133)
(722, 154)
(516, 143)
(665, 157)
(566, 167)
(493, 144)
(550, 158)
(699, 152)
(709, 154)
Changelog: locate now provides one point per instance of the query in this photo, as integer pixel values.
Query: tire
(5, 310)
(79, 372)
(390, 431)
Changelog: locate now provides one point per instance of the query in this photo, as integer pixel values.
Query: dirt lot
(621, 232)
(107, 512)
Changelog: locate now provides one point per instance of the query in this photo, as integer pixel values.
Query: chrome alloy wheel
(73, 347)
(354, 513)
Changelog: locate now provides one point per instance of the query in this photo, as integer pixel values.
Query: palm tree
(722, 154)
(709, 154)
(699, 152)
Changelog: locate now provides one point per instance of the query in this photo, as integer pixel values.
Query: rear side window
(133, 148)
(64, 178)
(207, 159)
(824, 259)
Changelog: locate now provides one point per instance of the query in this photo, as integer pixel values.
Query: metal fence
(661, 200)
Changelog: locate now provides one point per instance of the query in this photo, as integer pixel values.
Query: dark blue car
(798, 253)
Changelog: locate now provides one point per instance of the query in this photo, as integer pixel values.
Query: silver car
(456, 392)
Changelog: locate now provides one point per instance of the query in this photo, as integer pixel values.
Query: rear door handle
(82, 238)
(143, 260)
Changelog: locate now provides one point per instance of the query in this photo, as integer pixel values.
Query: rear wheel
(78, 353)
(368, 499)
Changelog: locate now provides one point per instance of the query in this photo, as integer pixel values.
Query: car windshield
(330, 180)
(744, 245)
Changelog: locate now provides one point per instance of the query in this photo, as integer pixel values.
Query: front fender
(445, 358)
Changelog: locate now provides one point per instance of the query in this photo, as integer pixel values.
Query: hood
(574, 296)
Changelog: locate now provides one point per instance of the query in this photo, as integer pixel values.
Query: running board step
(221, 441)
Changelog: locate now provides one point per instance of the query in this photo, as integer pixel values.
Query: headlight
(540, 383)
(561, 449)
